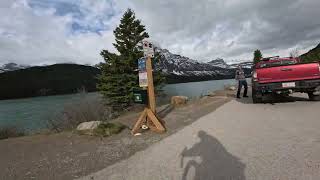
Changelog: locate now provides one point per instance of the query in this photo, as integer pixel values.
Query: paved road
(240, 140)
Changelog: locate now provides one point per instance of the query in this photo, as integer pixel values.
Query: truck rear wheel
(255, 98)
(313, 97)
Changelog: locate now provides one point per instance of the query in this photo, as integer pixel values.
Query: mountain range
(312, 55)
(12, 67)
(48, 80)
(179, 69)
(19, 81)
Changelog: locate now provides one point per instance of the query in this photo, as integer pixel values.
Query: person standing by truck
(241, 78)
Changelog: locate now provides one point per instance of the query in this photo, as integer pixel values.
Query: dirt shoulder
(68, 155)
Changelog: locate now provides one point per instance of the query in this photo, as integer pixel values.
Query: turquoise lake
(31, 114)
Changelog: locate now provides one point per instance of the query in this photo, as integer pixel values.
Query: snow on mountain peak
(12, 67)
(174, 64)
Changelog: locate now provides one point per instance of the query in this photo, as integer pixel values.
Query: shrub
(8, 132)
(85, 110)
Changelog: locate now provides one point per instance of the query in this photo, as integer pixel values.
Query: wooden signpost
(148, 116)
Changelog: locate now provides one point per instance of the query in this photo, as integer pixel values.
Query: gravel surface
(240, 140)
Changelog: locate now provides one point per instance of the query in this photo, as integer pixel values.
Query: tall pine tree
(257, 56)
(119, 78)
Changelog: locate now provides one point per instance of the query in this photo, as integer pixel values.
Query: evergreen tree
(118, 76)
(257, 56)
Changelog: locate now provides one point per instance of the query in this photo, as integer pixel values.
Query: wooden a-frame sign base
(152, 122)
(148, 116)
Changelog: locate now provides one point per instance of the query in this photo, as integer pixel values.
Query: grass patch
(108, 129)
(9, 132)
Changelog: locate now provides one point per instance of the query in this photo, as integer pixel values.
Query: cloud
(38, 32)
(231, 29)
(55, 31)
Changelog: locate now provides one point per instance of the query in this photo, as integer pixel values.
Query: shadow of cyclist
(217, 163)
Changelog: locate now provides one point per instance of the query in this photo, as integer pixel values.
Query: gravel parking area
(240, 140)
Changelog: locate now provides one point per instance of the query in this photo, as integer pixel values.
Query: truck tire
(313, 97)
(255, 98)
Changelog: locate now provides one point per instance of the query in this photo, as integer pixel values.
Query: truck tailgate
(288, 73)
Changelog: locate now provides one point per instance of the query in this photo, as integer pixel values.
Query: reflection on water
(196, 89)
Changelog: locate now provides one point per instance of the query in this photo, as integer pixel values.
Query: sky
(38, 32)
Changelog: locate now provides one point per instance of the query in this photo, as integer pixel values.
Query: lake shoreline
(77, 149)
(32, 114)
(96, 91)
(136, 108)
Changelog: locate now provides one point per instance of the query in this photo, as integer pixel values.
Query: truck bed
(288, 73)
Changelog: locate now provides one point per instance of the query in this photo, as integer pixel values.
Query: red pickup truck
(284, 76)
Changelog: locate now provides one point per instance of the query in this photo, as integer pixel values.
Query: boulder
(211, 94)
(179, 100)
(88, 126)
(232, 88)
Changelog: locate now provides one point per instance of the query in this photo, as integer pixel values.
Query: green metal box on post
(140, 96)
